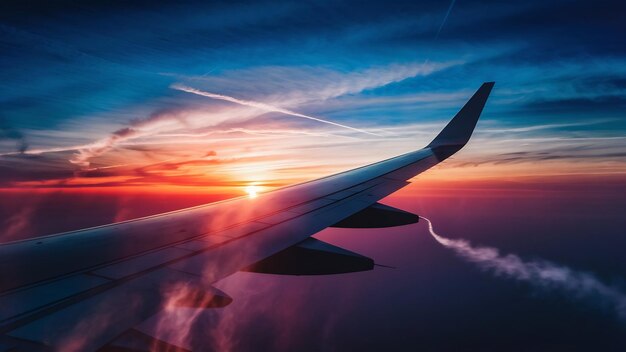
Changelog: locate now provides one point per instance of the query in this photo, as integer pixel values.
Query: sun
(252, 191)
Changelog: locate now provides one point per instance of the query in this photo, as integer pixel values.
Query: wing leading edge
(56, 285)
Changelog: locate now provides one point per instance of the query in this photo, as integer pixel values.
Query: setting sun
(252, 191)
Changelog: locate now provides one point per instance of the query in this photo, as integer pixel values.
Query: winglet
(459, 130)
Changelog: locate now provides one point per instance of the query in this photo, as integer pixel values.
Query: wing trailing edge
(377, 216)
(312, 257)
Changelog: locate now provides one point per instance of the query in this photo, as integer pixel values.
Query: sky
(219, 96)
(115, 110)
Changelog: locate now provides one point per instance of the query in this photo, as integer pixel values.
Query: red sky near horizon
(28, 212)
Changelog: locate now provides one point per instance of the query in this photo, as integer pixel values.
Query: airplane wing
(87, 289)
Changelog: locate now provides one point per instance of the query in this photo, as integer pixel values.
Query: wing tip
(459, 130)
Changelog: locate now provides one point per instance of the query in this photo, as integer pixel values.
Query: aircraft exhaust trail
(539, 273)
(445, 19)
(263, 106)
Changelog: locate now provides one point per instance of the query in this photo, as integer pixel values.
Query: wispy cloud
(292, 86)
(137, 129)
(7, 131)
(335, 84)
(263, 106)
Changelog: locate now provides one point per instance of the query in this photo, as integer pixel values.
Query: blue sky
(75, 78)
(97, 102)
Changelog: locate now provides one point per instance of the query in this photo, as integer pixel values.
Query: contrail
(445, 18)
(262, 106)
(540, 273)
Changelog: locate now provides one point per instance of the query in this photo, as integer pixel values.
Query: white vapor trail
(262, 106)
(540, 273)
(445, 19)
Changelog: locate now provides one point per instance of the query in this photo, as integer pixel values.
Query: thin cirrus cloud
(265, 107)
(337, 85)
(102, 99)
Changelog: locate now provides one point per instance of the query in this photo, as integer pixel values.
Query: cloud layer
(92, 94)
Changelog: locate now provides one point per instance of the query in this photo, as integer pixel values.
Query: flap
(378, 215)
(312, 257)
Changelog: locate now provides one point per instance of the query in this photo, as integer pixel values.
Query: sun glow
(252, 191)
